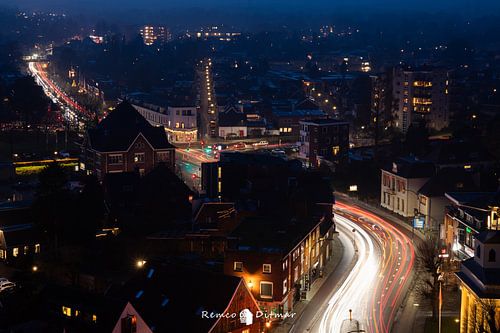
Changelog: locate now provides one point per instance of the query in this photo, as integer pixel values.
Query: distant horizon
(89, 6)
(252, 14)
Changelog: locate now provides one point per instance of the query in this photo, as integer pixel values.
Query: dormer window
(492, 256)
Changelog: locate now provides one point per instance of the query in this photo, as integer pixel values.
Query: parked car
(261, 143)
(6, 285)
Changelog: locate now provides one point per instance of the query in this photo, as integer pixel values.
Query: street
(377, 283)
(73, 112)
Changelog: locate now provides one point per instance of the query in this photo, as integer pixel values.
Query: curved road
(377, 283)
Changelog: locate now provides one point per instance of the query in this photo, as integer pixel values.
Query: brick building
(123, 142)
(278, 259)
(324, 139)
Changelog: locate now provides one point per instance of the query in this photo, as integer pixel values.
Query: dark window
(492, 256)
(478, 251)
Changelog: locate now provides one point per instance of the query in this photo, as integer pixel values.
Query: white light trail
(355, 291)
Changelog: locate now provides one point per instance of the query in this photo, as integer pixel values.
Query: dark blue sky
(482, 5)
(247, 13)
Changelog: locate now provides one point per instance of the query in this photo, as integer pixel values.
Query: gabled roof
(307, 104)
(121, 128)
(489, 237)
(171, 298)
(411, 168)
(475, 277)
(479, 200)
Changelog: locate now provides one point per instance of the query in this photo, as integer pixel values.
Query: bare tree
(429, 265)
(482, 318)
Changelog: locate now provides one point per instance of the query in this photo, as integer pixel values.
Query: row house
(279, 259)
(19, 239)
(467, 215)
(125, 142)
(400, 184)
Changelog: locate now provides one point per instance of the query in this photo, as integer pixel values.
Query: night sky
(476, 5)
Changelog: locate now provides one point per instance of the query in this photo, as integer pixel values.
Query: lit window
(335, 150)
(266, 268)
(37, 248)
(94, 318)
(285, 286)
(238, 266)
(139, 157)
(266, 289)
(3, 254)
(66, 311)
(77, 313)
(15, 252)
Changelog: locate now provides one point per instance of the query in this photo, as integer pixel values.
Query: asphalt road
(374, 286)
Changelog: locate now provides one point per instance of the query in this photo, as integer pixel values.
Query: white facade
(399, 194)
(179, 122)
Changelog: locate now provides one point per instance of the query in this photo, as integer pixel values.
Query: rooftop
(121, 127)
(411, 168)
(448, 179)
(170, 298)
(270, 234)
(458, 152)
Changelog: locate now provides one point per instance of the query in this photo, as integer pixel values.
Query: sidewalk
(300, 306)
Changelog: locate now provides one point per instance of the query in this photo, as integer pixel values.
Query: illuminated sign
(418, 222)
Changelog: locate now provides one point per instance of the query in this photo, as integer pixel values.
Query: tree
(29, 101)
(429, 265)
(90, 210)
(482, 317)
(52, 202)
(417, 139)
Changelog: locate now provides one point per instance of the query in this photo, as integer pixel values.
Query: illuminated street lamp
(140, 263)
